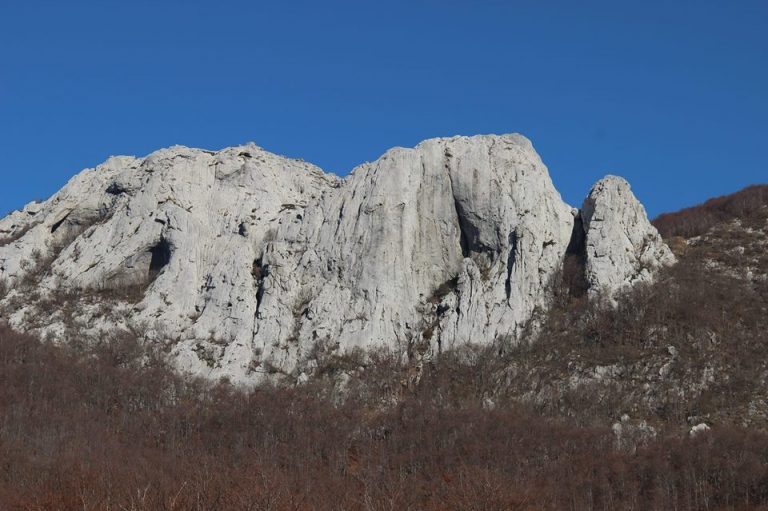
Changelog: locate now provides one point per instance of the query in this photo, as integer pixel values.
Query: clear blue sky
(671, 95)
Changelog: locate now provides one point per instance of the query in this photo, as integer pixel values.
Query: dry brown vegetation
(111, 426)
(690, 348)
(697, 220)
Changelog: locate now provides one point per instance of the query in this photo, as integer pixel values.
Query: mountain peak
(248, 265)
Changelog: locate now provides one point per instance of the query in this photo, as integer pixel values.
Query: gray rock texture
(623, 248)
(245, 264)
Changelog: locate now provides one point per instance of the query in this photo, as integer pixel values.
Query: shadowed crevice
(511, 259)
(575, 261)
(161, 256)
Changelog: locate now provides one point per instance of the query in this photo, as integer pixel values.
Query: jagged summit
(247, 264)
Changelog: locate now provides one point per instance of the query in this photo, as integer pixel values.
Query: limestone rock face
(246, 265)
(623, 248)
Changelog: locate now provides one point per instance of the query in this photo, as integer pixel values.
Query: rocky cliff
(244, 264)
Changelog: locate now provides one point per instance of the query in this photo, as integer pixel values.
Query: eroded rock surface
(622, 246)
(245, 264)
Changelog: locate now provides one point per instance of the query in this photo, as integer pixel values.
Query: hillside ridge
(248, 265)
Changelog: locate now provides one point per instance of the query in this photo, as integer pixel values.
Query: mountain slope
(599, 404)
(686, 349)
(248, 265)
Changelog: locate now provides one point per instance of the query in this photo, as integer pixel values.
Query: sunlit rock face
(623, 248)
(244, 264)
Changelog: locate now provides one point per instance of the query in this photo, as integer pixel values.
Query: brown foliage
(112, 428)
(699, 219)
(689, 347)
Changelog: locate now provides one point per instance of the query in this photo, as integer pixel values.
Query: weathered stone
(248, 264)
(622, 247)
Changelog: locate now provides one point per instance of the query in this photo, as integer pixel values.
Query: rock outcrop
(622, 246)
(246, 264)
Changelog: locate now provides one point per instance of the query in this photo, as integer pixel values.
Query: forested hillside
(656, 403)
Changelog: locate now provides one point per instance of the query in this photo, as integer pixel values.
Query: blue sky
(671, 95)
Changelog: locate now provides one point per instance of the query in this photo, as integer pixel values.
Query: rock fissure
(59, 223)
(511, 258)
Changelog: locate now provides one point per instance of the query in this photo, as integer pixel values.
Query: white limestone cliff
(245, 264)
(623, 248)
